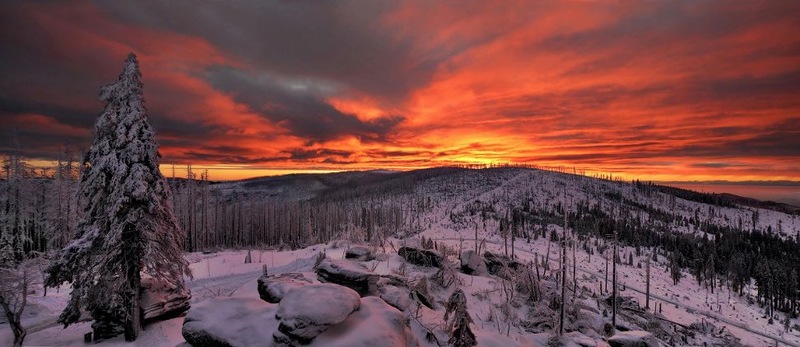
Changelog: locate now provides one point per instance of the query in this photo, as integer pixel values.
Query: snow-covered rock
(159, 300)
(307, 311)
(421, 257)
(472, 263)
(374, 324)
(635, 338)
(272, 288)
(230, 322)
(359, 253)
(582, 340)
(398, 297)
(497, 264)
(349, 274)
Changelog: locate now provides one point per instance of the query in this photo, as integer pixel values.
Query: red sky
(689, 90)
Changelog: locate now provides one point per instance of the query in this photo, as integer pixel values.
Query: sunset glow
(651, 90)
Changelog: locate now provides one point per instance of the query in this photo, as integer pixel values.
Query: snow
(229, 271)
(232, 321)
(346, 268)
(224, 275)
(374, 324)
(272, 288)
(472, 263)
(633, 339)
(307, 311)
(395, 296)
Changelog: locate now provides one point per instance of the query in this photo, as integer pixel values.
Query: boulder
(397, 297)
(307, 311)
(472, 263)
(349, 274)
(393, 280)
(497, 264)
(624, 302)
(421, 257)
(581, 340)
(374, 324)
(636, 338)
(271, 288)
(162, 300)
(359, 253)
(230, 322)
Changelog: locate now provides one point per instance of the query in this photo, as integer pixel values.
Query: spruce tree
(460, 333)
(127, 226)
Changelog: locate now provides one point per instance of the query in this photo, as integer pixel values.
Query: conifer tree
(127, 226)
(460, 333)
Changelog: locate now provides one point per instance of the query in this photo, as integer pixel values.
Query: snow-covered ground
(224, 274)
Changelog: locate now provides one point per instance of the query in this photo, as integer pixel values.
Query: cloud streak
(653, 90)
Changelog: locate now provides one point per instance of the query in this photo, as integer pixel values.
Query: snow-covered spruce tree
(460, 333)
(127, 226)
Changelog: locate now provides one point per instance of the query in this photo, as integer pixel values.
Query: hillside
(718, 252)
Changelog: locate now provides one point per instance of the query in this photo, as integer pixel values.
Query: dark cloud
(712, 165)
(653, 24)
(297, 105)
(190, 131)
(774, 85)
(69, 115)
(33, 144)
(306, 154)
(343, 42)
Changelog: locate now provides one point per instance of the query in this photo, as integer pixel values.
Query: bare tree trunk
(546, 265)
(605, 273)
(574, 269)
(614, 283)
(133, 323)
(14, 312)
(476, 238)
(513, 238)
(563, 274)
(14, 321)
(647, 295)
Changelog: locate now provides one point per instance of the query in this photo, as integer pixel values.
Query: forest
(39, 213)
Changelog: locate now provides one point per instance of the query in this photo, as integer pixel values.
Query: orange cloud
(662, 91)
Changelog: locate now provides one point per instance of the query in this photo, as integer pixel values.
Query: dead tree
(647, 281)
(605, 273)
(614, 284)
(14, 289)
(563, 272)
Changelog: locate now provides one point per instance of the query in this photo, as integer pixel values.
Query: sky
(653, 90)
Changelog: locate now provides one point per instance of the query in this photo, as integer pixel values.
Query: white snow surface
(237, 321)
(634, 339)
(229, 277)
(310, 309)
(374, 324)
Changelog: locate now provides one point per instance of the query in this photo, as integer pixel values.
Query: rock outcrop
(159, 300)
(472, 263)
(272, 288)
(397, 297)
(498, 264)
(230, 322)
(307, 311)
(421, 257)
(359, 253)
(348, 274)
(374, 324)
(633, 339)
